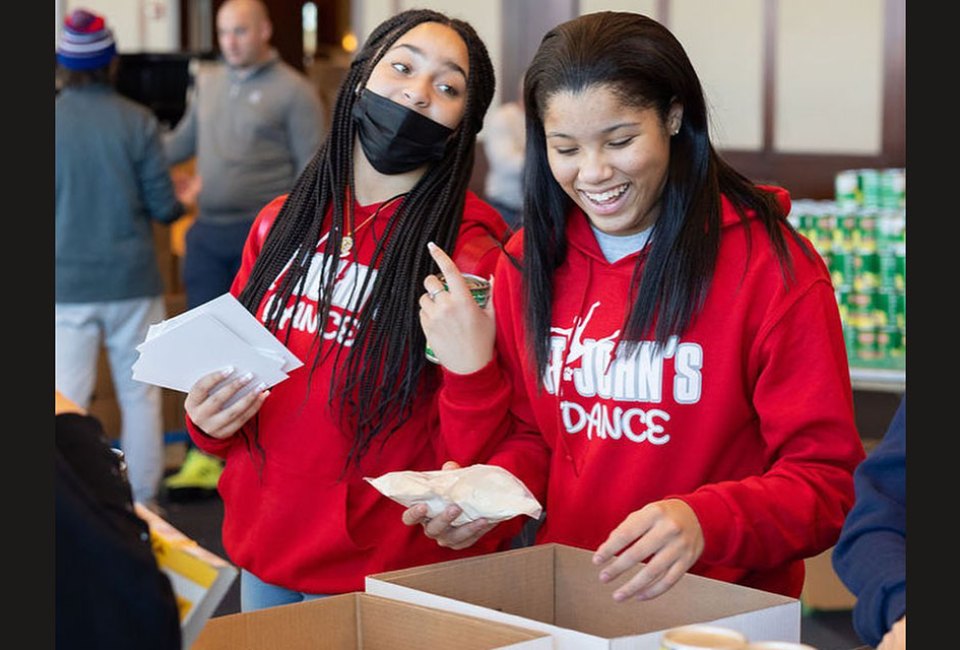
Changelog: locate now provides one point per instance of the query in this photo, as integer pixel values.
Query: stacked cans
(871, 189)
(862, 237)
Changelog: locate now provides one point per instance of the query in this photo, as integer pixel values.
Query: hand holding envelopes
(219, 333)
(484, 491)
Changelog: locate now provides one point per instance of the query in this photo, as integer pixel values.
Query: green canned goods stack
(901, 324)
(891, 342)
(815, 221)
(842, 269)
(885, 307)
(902, 312)
(875, 189)
(863, 322)
(866, 265)
(891, 292)
(891, 248)
(870, 183)
(803, 217)
(843, 306)
(868, 261)
(847, 190)
(824, 226)
(893, 188)
(887, 315)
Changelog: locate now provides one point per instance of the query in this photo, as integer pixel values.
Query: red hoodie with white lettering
(747, 416)
(290, 517)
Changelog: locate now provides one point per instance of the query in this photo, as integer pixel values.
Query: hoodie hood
(729, 216)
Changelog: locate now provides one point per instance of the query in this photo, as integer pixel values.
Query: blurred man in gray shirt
(253, 122)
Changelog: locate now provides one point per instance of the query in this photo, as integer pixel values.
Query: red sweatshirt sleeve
(476, 419)
(486, 416)
(478, 409)
(480, 241)
(473, 408)
(797, 507)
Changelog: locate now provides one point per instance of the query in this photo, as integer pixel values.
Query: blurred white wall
(829, 64)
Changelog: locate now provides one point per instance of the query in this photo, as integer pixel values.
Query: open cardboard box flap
(359, 621)
(555, 588)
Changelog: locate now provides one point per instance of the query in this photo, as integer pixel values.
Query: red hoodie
(747, 416)
(289, 518)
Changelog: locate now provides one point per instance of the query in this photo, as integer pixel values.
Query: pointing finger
(448, 268)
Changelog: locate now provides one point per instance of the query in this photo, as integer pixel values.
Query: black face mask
(394, 138)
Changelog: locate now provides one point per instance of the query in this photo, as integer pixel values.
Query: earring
(676, 130)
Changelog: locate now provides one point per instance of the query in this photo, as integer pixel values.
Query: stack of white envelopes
(216, 335)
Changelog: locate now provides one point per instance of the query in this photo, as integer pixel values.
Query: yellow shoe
(199, 472)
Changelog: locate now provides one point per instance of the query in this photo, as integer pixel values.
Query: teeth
(609, 195)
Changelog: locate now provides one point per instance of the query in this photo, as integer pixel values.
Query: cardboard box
(554, 588)
(358, 621)
(199, 578)
(822, 588)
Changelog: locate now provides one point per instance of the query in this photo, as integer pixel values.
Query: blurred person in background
(253, 123)
(503, 145)
(871, 555)
(112, 184)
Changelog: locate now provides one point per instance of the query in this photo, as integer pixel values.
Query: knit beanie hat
(85, 42)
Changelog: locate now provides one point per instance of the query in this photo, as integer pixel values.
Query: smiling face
(609, 157)
(426, 70)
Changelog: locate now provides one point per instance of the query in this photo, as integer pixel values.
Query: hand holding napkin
(479, 491)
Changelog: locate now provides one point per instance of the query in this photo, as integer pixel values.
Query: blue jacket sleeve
(870, 555)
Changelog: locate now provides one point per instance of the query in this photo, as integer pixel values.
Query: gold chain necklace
(346, 244)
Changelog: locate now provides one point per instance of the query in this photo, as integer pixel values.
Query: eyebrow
(447, 63)
(609, 129)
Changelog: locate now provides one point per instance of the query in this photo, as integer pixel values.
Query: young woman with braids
(334, 269)
(671, 341)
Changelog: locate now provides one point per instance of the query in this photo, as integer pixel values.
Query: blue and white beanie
(86, 42)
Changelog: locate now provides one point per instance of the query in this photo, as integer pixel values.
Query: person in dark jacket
(871, 555)
(110, 592)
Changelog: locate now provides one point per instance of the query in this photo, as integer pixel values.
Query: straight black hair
(646, 68)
